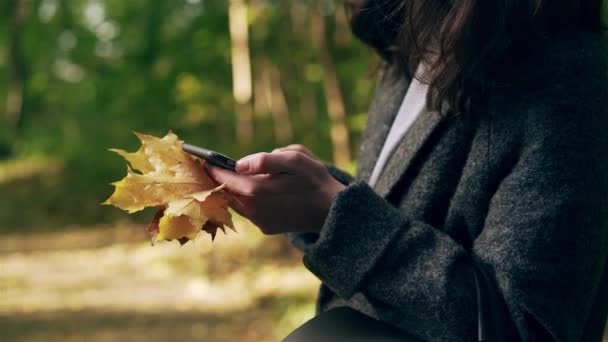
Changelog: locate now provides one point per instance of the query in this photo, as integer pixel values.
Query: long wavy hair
(464, 43)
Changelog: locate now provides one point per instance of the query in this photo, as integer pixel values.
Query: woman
(484, 165)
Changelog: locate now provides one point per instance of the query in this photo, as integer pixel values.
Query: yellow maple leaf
(174, 181)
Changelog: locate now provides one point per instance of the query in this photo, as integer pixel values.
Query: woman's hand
(288, 190)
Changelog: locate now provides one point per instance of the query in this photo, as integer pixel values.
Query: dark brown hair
(465, 43)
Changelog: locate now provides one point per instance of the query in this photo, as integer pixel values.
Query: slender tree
(241, 69)
(16, 62)
(335, 101)
(283, 129)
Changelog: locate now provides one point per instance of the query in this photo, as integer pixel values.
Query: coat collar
(384, 108)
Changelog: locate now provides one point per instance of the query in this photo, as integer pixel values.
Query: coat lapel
(407, 150)
(384, 108)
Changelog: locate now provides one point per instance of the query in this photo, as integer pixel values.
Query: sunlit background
(77, 77)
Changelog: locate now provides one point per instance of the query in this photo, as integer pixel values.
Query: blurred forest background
(78, 76)
(239, 76)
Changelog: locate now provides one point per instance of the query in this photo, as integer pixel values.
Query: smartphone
(211, 157)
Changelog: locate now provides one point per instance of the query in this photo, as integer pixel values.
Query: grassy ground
(108, 283)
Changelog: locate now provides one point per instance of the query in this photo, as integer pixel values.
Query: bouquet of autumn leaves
(163, 176)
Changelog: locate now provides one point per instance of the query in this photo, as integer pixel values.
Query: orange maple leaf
(175, 181)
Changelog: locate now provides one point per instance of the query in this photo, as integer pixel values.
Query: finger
(237, 183)
(290, 162)
(238, 203)
(242, 165)
(297, 148)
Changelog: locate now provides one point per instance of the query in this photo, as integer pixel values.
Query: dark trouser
(345, 324)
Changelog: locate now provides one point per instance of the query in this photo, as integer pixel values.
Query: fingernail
(243, 165)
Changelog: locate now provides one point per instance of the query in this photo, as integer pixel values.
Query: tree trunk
(270, 99)
(299, 16)
(283, 130)
(262, 90)
(342, 33)
(241, 69)
(16, 68)
(335, 102)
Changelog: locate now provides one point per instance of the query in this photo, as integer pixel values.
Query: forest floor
(109, 284)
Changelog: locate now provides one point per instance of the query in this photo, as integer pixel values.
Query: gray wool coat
(520, 192)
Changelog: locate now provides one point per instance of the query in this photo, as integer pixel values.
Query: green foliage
(605, 13)
(96, 70)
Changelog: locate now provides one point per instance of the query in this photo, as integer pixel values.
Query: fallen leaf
(161, 175)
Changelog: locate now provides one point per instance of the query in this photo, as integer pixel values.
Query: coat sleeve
(303, 241)
(543, 241)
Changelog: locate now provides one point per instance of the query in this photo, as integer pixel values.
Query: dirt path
(108, 284)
